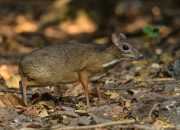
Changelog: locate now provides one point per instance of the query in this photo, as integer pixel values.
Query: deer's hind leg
(23, 90)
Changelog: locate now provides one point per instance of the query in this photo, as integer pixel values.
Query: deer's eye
(125, 47)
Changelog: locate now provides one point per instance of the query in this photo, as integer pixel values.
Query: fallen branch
(152, 110)
(138, 126)
(107, 124)
(117, 124)
(12, 90)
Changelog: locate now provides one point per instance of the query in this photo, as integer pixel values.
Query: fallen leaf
(10, 100)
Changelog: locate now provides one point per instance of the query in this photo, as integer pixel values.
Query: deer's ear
(122, 36)
(118, 38)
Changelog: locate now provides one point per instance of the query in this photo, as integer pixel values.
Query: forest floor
(134, 94)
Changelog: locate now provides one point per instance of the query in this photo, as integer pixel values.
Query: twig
(107, 124)
(156, 81)
(138, 126)
(9, 90)
(117, 124)
(152, 110)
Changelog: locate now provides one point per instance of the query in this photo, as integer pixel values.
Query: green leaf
(151, 31)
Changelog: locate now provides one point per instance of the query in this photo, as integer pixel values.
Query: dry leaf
(10, 100)
(25, 25)
(81, 24)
